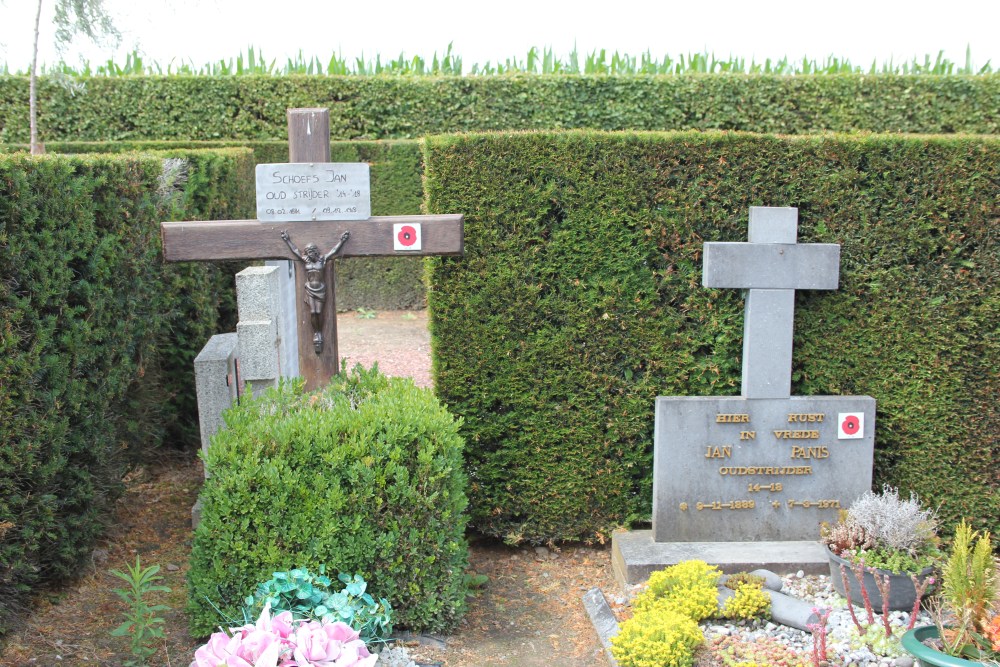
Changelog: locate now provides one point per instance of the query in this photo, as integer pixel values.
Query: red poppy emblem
(407, 235)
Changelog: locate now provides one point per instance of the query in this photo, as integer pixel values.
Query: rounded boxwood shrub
(364, 476)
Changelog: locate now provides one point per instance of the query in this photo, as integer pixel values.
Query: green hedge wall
(96, 343)
(379, 283)
(253, 108)
(579, 300)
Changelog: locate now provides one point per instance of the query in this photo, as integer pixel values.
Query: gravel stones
(845, 648)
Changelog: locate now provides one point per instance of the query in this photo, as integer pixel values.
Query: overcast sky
(209, 30)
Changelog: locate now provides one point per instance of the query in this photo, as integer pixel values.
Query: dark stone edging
(603, 619)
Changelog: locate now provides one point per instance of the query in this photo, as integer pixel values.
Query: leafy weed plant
(143, 624)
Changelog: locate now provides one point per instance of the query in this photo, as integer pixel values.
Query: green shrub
(76, 327)
(687, 588)
(364, 476)
(658, 637)
(579, 300)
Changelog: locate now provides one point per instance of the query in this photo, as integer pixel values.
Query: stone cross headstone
(745, 481)
(289, 236)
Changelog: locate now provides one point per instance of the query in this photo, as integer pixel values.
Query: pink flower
(284, 642)
(213, 654)
(281, 625)
(252, 648)
(330, 645)
(258, 648)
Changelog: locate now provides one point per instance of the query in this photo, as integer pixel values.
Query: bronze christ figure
(315, 264)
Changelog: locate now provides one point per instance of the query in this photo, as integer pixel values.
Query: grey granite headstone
(761, 475)
(256, 354)
(732, 474)
(261, 315)
(771, 266)
(216, 382)
(288, 346)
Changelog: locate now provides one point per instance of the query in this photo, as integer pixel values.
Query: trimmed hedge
(96, 344)
(379, 283)
(579, 300)
(364, 476)
(253, 107)
(74, 303)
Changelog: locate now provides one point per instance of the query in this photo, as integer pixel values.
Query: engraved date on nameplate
(296, 192)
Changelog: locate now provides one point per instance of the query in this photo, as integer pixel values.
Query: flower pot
(926, 656)
(902, 593)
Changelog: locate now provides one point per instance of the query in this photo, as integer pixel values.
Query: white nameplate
(295, 192)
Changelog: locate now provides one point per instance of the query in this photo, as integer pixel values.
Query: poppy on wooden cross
(406, 236)
(331, 204)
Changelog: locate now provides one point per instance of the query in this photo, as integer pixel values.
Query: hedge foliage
(378, 283)
(96, 342)
(579, 300)
(364, 477)
(253, 107)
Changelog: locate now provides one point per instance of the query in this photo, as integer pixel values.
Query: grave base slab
(634, 556)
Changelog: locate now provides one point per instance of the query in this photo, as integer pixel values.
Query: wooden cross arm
(219, 240)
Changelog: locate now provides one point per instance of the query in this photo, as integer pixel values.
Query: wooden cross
(218, 240)
(771, 267)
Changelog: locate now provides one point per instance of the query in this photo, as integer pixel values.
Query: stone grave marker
(745, 481)
(311, 213)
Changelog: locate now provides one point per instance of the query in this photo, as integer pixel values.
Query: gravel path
(397, 340)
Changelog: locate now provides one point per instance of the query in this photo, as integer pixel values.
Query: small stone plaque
(740, 469)
(297, 192)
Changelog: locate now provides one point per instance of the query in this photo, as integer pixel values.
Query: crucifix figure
(315, 265)
(315, 283)
(771, 267)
